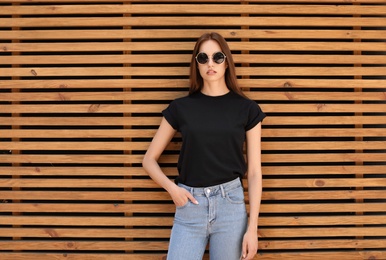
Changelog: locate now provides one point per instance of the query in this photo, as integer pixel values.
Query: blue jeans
(220, 218)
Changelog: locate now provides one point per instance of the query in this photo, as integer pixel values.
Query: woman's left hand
(250, 243)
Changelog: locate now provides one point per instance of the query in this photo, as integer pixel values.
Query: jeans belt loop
(222, 191)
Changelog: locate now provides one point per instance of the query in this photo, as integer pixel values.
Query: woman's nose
(210, 62)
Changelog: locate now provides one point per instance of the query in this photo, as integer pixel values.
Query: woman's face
(211, 71)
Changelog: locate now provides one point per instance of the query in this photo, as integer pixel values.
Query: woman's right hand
(181, 196)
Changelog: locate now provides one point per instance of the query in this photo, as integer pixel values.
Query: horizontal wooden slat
(131, 133)
(146, 121)
(192, 21)
(128, 245)
(71, 245)
(181, 71)
(272, 33)
(119, 245)
(81, 121)
(167, 96)
(167, 59)
(130, 183)
(169, 208)
(163, 196)
(188, 46)
(155, 108)
(171, 171)
(322, 232)
(269, 158)
(268, 245)
(123, 146)
(195, 9)
(82, 256)
(293, 224)
(181, 83)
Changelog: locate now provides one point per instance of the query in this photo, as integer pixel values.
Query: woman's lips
(211, 72)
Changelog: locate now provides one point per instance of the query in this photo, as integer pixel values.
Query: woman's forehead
(210, 47)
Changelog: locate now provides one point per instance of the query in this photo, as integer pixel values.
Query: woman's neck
(214, 88)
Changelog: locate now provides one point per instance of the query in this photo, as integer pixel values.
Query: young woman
(215, 120)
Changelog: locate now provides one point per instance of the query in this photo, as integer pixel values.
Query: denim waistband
(213, 190)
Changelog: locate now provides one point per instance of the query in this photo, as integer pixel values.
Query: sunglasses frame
(207, 60)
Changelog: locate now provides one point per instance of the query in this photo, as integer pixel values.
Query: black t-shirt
(213, 130)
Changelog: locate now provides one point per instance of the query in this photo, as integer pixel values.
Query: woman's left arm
(254, 175)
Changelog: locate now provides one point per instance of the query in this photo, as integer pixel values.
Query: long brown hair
(196, 81)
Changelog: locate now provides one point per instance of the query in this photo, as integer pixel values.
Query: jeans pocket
(183, 206)
(236, 196)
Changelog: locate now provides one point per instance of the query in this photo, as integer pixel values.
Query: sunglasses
(217, 57)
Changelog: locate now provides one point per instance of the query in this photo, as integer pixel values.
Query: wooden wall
(82, 85)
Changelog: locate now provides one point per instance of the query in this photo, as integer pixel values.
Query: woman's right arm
(161, 139)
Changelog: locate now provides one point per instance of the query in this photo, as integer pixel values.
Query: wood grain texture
(82, 87)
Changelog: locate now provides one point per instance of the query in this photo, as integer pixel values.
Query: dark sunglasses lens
(202, 58)
(218, 57)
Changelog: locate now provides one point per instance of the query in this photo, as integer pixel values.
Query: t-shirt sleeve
(171, 115)
(255, 116)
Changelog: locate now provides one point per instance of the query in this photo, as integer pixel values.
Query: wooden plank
(316, 133)
(195, 9)
(85, 171)
(118, 183)
(82, 256)
(333, 255)
(321, 170)
(163, 196)
(295, 225)
(79, 232)
(323, 208)
(154, 121)
(172, 171)
(322, 243)
(267, 158)
(75, 195)
(91, 121)
(157, 108)
(83, 121)
(123, 146)
(131, 133)
(100, 208)
(322, 120)
(170, 208)
(184, 58)
(324, 183)
(74, 146)
(188, 46)
(192, 21)
(323, 195)
(320, 232)
(170, 95)
(273, 33)
(119, 245)
(91, 221)
(182, 71)
(181, 83)
(78, 245)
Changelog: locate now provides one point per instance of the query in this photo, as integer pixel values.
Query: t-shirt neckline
(219, 96)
